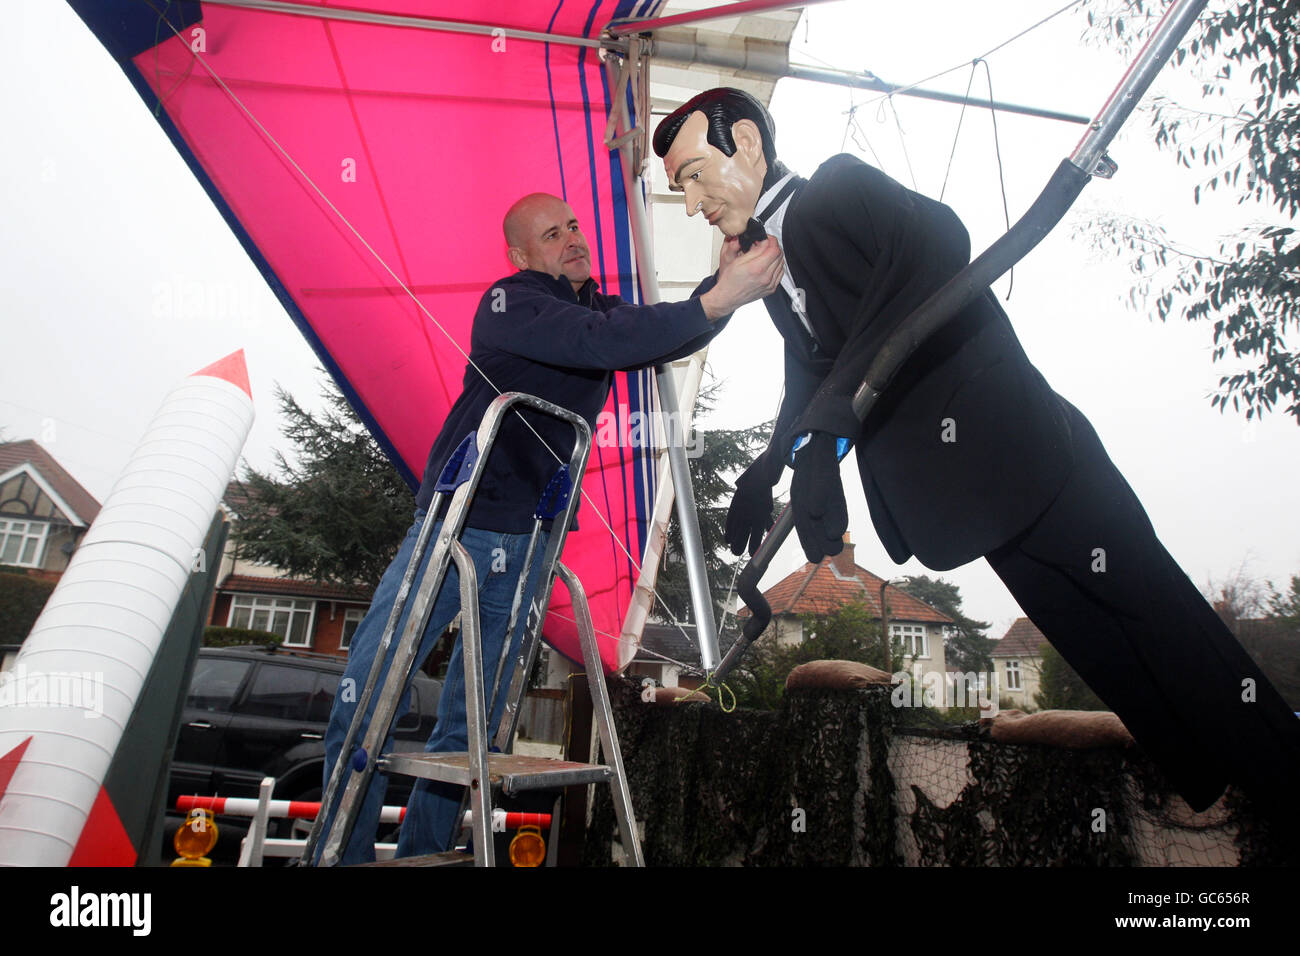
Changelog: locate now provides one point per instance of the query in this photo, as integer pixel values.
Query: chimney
(843, 562)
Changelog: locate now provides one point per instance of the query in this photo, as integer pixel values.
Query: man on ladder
(546, 331)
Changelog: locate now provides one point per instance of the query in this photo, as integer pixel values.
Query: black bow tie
(754, 231)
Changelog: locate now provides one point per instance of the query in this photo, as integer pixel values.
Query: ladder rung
(511, 772)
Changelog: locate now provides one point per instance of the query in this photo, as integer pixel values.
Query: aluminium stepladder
(476, 769)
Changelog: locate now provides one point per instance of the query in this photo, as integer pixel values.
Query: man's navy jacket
(969, 444)
(533, 334)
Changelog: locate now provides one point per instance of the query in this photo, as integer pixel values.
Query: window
(1013, 675)
(284, 616)
(22, 542)
(281, 692)
(352, 618)
(912, 638)
(215, 684)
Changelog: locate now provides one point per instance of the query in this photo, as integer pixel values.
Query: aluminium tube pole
(675, 431)
(771, 59)
(301, 9)
(1062, 189)
(728, 11)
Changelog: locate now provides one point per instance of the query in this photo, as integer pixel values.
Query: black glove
(820, 515)
(750, 514)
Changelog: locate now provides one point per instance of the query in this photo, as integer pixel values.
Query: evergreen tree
(1285, 608)
(723, 454)
(339, 514)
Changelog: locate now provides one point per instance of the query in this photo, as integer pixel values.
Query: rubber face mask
(724, 189)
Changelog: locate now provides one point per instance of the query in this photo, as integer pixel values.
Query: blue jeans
(431, 822)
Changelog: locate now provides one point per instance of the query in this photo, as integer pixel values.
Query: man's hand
(817, 498)
(730, 252)
(750, 514)
(743, 277)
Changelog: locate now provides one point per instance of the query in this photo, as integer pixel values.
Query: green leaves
(336, 516)
(1249, 289)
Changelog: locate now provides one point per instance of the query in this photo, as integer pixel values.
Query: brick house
(917, 629)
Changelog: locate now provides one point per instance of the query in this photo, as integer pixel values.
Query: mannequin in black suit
(969, 453)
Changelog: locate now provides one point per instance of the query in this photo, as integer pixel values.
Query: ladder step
(511, 772)
(446, 858)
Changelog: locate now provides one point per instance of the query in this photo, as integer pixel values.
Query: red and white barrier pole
(502, 820)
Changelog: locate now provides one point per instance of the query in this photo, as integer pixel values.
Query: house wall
(1030, 674)
(788, 631)
(935, 662)
(55, 560)
(327, 621)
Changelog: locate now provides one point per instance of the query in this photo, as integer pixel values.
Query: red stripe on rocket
(90, 651)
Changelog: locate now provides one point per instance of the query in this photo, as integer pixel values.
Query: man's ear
(517, 257)
(748, 139)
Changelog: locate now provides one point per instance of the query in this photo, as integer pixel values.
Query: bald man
(548, 331)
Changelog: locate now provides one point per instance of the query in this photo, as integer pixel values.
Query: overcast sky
(118, 277)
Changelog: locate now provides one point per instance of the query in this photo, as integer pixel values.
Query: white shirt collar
(773, 228)
(770, 193)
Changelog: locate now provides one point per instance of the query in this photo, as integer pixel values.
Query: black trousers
(1093, 577)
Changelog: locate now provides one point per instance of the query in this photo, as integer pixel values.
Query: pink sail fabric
(357, 161)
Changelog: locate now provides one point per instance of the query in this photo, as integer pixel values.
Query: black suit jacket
(969, 444)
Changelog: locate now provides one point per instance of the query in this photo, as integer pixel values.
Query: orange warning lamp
(195, 839)
(528, 848)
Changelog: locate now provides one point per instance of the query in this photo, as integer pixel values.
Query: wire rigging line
(902, 139)
(636, 564)
(993, 114)
(957, 133)
(1002, 182)
(853, 128)
(952, 69)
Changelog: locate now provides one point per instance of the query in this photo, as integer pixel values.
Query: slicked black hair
(722, 107)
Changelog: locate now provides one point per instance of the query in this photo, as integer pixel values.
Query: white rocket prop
(79, 674)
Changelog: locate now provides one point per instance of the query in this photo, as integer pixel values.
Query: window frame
(345, 639)
(907, 637)
(250, 603)
(6, 532)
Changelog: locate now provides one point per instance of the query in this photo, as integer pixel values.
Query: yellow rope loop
(704, 689)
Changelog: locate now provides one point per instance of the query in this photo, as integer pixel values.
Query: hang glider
(365, 167)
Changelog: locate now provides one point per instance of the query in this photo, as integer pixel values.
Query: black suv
(254, 713)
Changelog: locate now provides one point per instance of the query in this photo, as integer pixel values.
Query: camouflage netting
(843, 778)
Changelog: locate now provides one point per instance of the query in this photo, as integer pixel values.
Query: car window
(280, 691)
(215, 683)
(322, 698)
